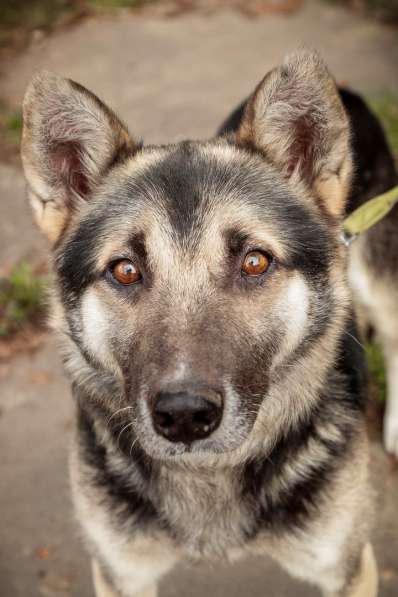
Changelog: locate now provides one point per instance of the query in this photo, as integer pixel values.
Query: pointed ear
(295, 117)
(70, 140)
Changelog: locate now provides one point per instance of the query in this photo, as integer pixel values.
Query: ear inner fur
(295, 117)
(70, 141)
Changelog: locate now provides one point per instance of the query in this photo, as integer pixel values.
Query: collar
(367, 215)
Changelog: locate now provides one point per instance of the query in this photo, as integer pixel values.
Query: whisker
(117, 412)
(356, 340)
(132, 446)
(122, 431)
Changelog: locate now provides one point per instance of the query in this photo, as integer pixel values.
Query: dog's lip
(164, 451)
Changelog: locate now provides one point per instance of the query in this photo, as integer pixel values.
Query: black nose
(187, 416)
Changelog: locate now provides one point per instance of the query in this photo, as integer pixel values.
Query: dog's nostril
(164, 419)
(186, 417)
(203, 417)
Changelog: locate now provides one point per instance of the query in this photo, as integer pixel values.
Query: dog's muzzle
(187, 414)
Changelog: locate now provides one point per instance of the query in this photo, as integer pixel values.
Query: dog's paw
(391, 432)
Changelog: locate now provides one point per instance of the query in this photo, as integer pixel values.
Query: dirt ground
(169, 79)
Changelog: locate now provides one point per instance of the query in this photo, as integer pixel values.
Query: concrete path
(169, 79)
(177, 78)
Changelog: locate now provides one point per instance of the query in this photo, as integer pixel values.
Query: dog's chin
(202, 451)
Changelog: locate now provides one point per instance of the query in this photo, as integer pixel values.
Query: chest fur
(204, 512)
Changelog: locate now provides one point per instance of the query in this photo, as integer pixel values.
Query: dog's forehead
(194, 187)
(189, 187)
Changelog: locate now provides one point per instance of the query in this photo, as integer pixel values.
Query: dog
(373, 257)
(202, 302)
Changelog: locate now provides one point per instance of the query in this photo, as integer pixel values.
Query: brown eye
(125, 272)
(255, 263)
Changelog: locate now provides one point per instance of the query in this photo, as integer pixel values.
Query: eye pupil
(255, 263)
(125, 272)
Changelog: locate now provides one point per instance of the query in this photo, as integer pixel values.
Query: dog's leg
(340, 579)
(376, 307)
(104, 588)
(333, 552)
(391, 415)
(336, 574)
(364, 581)
(124, 564)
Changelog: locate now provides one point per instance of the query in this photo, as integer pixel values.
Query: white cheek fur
(96, 330)
(296, 309)
(293, 308)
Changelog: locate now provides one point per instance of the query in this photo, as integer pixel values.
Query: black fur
(130, 500)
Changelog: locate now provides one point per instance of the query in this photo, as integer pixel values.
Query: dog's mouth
(197, 450)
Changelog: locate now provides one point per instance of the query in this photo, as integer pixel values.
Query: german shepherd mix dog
(202, 302)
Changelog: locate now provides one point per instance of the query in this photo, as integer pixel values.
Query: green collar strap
(368, 214)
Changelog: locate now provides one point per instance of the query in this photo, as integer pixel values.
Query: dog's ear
(295, 117)
(70, 140)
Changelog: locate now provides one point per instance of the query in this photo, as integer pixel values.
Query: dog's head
(200, 286)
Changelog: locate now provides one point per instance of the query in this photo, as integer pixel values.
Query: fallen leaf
(43, 553)
(388, 574)
(41, 377)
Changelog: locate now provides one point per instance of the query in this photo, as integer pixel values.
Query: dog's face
(192, 277)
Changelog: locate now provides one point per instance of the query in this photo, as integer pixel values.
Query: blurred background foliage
(22, 294)
(385, 106)
(387, 10)
(20, 18)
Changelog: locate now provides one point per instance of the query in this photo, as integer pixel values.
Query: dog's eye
(125, 272)
(255, 263)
